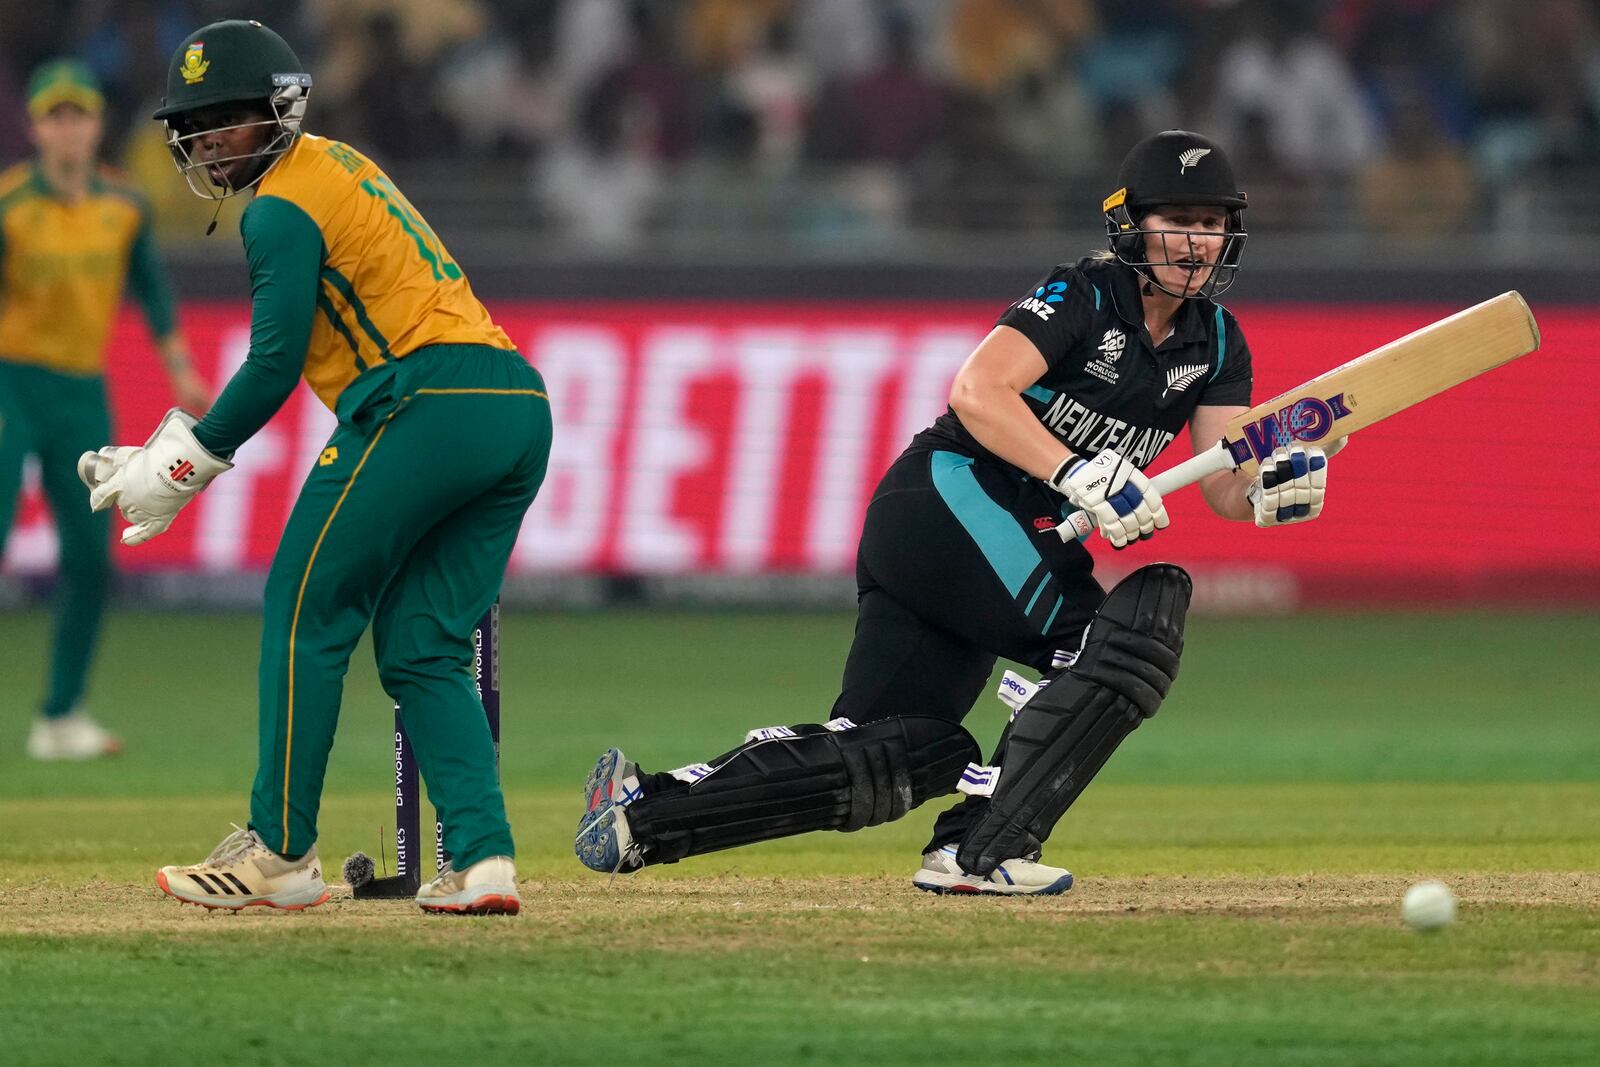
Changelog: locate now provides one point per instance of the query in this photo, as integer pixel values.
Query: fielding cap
(64, 81)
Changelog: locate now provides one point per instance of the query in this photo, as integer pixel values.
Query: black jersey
(1107, 385)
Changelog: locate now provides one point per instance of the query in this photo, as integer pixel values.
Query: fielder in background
(408, 518)
(1081, 384)
(71, 238)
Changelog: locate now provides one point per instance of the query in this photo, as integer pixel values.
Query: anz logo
(1044, 296)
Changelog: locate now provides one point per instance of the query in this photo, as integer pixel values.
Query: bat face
(1372, 387)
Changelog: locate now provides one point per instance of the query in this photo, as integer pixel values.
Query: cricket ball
(1428, 906)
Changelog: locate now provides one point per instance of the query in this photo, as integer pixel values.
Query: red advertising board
(744, 438)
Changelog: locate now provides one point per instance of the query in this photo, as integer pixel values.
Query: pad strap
(817, 779)
(1067, 730)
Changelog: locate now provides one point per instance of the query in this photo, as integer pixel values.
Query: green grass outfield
(1239, 867)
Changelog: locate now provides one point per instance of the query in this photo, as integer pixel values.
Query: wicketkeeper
(409, 517)
(1081, 385)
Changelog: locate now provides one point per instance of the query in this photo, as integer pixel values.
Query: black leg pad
(1063, 736)
(818, 780)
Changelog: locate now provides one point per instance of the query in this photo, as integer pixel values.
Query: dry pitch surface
(769, 910)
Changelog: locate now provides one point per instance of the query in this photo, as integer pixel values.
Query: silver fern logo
(1180, 378)
(1190, 156)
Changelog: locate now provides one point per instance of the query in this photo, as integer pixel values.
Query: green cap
(230, 62)
(64, 81)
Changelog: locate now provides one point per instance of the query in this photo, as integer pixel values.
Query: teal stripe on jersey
(990, 526)
(348, 291)
(1060, 600)
(1039, 393)
(1043, 581)
(1222, 345)
(338, 324)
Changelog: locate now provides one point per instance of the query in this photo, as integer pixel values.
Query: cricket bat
(1355, 395)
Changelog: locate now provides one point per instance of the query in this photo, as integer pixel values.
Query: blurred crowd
(605, 121)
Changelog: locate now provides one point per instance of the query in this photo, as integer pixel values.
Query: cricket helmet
(235, 61)
(1180, 168)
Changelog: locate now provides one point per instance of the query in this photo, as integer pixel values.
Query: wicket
(407, 878)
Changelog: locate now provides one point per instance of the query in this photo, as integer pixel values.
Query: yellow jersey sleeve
(388, 285)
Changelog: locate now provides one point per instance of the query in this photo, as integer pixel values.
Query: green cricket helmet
(232, 62)
(1182, 169)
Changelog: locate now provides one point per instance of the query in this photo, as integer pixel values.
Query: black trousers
(959, 565)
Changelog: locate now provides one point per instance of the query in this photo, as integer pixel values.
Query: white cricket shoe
(1019, 877)
(488, 887)
(243, 872)
(74, 736)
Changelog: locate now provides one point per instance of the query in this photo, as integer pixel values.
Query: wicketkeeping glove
(1291, 484)
(94, 468)
(1125, 506)
(149, 485)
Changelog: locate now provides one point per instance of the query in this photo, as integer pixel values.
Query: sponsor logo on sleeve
(1040, 303)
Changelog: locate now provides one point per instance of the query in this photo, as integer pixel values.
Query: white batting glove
(1291, 484)
(152, 483)
(1123, 503)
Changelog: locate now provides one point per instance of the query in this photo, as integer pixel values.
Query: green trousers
(57, 417)
(406, 523)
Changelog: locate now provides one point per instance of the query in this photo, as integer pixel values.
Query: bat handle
(1080, 524)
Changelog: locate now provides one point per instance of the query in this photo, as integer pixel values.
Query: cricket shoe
(243, 872)
(74, 736)
(603, 842)
(1019, 877)
(488, 887)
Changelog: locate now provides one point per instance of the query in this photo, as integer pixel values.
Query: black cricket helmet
(1177, 168)
(235, 61)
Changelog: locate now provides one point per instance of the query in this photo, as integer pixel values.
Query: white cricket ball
(1428, 906)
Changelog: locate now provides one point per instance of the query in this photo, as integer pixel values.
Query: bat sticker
(1308, 420)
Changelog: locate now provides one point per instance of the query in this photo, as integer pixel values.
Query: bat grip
(1080, 524)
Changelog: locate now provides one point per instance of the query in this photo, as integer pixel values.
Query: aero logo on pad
(1308, 420)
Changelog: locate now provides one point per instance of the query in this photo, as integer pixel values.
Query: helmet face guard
(1130, 243)
(287, 103)
(1180, 168)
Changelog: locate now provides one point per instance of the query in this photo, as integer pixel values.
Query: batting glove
(1291, 484)
(1121, 500)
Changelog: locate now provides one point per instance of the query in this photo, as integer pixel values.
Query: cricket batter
(410, 514)
(1081, 385)
(71, 238)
